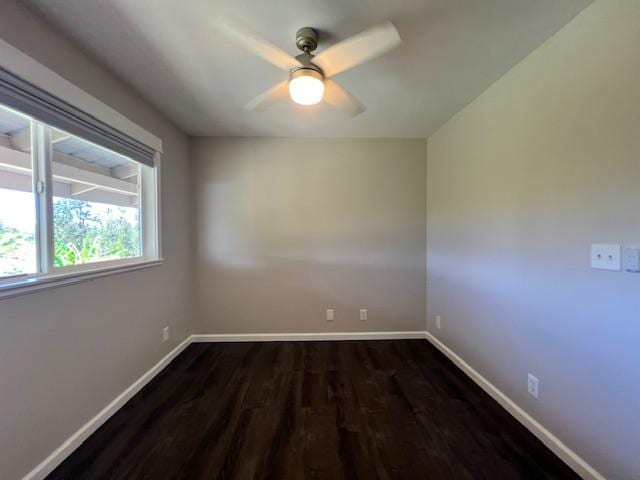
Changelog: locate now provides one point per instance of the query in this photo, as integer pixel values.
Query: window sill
(26, 286)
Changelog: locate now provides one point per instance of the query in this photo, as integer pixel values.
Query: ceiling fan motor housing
(306, 72)
(307, 39)
(306, 63)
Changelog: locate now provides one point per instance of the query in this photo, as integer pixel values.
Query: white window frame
(49, 276)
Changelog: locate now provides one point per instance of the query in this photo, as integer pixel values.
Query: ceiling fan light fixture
(306, 86)
(310, 75)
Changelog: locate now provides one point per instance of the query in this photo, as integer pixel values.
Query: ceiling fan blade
(338, 97)
(268, 98)
(257, 45)
(358, 49)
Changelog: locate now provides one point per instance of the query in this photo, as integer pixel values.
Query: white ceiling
(452, 51)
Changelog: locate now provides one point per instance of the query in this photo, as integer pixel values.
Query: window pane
(17, 204)
(96, 214)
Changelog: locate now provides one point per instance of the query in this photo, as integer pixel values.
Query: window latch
(39, 186)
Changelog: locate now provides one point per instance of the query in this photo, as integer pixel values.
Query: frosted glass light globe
(306, 86)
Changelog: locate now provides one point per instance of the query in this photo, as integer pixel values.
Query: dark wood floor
(312, 410)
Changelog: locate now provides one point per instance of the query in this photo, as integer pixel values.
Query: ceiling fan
(310, 75)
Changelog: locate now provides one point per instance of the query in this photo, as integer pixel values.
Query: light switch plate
(632, 259)
(605, 256)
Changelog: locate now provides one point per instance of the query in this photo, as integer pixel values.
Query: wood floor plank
(395, 409)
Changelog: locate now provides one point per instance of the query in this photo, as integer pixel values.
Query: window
(96, 203)
(17, 207)
(68, 205)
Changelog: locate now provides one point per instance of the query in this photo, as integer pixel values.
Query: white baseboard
(580, 466)
(75, 440)
(300, 337)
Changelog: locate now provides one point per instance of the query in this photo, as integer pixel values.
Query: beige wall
(287, 228)
(66, 353)
(520, 183)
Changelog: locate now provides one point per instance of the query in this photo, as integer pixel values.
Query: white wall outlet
(632, 259)
(363, 314)
(165, 334)
(329, 314)
(605, 256)
(438, 322)
(532, 385)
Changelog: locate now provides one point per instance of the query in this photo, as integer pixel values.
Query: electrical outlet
(532, 385)
(438, 322)
(329, 314)
(165, 334)
(606, 256)
(363, 314)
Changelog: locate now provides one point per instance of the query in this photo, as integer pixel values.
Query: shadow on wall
(269, 275)
(288, 228)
